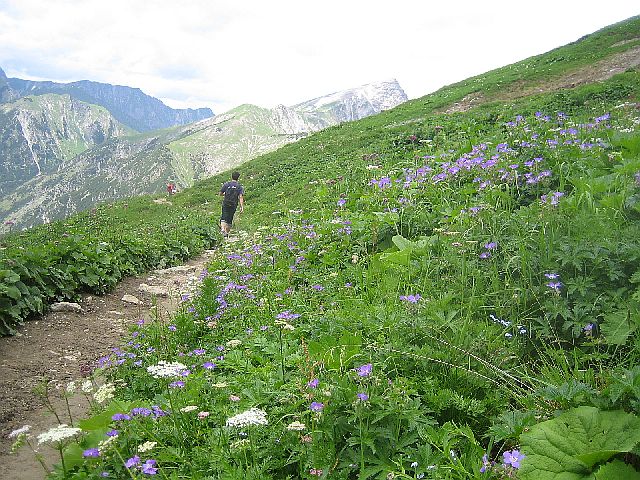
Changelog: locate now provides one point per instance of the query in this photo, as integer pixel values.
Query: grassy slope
(338, 149)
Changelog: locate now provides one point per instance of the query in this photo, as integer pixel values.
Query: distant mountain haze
(66, 147)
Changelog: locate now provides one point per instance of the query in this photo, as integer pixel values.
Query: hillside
(424, 293)
(144, 163)
(39, 133)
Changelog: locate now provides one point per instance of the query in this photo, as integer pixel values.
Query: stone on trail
(67, 307)
(131, 299)
(156, 290)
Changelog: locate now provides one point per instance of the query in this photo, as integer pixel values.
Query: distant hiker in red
(171, 188)
(233, 194)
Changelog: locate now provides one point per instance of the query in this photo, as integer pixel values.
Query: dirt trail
(57, 347)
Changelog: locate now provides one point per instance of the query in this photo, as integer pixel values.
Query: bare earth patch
(597, 72)
(54, 348)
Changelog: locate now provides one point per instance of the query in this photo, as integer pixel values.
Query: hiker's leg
(227, 217)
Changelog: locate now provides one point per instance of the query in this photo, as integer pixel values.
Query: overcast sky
(223, 53)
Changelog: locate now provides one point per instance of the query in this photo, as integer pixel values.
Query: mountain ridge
(129, 105)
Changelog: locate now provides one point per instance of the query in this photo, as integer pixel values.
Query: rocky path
(62, 346)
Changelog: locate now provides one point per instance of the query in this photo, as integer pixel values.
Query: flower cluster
(149, 467)
(554, 282)
(58, 434)
(104, 393)
(166, 369)
(253, 416)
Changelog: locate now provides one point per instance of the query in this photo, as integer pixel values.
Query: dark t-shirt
(232, 191)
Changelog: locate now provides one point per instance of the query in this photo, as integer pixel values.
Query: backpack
(231, 193)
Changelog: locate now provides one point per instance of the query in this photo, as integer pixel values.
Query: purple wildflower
(112, 433)
(316, 406)
(149, 467)
(363, 397)
(491, 245)
(410, 298)
(132, 462)
(342, 202)
(485, 463)
(555, 286)
(552, 276)
(287, 315)
(513, 458)
(120, 416)
(157, 411)
(313, 383)
(364, 370)
(176, 384)
(172, 328)
(209, 365)
(91, 452)
(318, 288)
(486, 254)
(140, 411)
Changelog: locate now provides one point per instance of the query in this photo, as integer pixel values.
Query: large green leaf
(571, 445)
(617, 470)
(617, 326)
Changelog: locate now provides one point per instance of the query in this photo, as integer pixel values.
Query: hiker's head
(235, 175)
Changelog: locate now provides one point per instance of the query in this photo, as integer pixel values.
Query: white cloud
(226, 52)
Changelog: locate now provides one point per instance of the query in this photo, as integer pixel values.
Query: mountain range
(66, 147)
(129, 106)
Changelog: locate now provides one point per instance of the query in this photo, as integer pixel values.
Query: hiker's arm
(241, 198)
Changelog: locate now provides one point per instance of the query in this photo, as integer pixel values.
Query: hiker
(171, 188)
(232, 193)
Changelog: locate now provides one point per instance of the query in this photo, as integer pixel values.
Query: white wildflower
(189, 408)
(104, 444)
(233, 343)
(296, 426)
(57, 434)
(372, 167)
(240, 444)
(146, 446)
(104, 393)
(284, 325)
(220, 385)
(253, 416)
(20, 431)
(87, 386)
(71, 387)
(166, 369)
